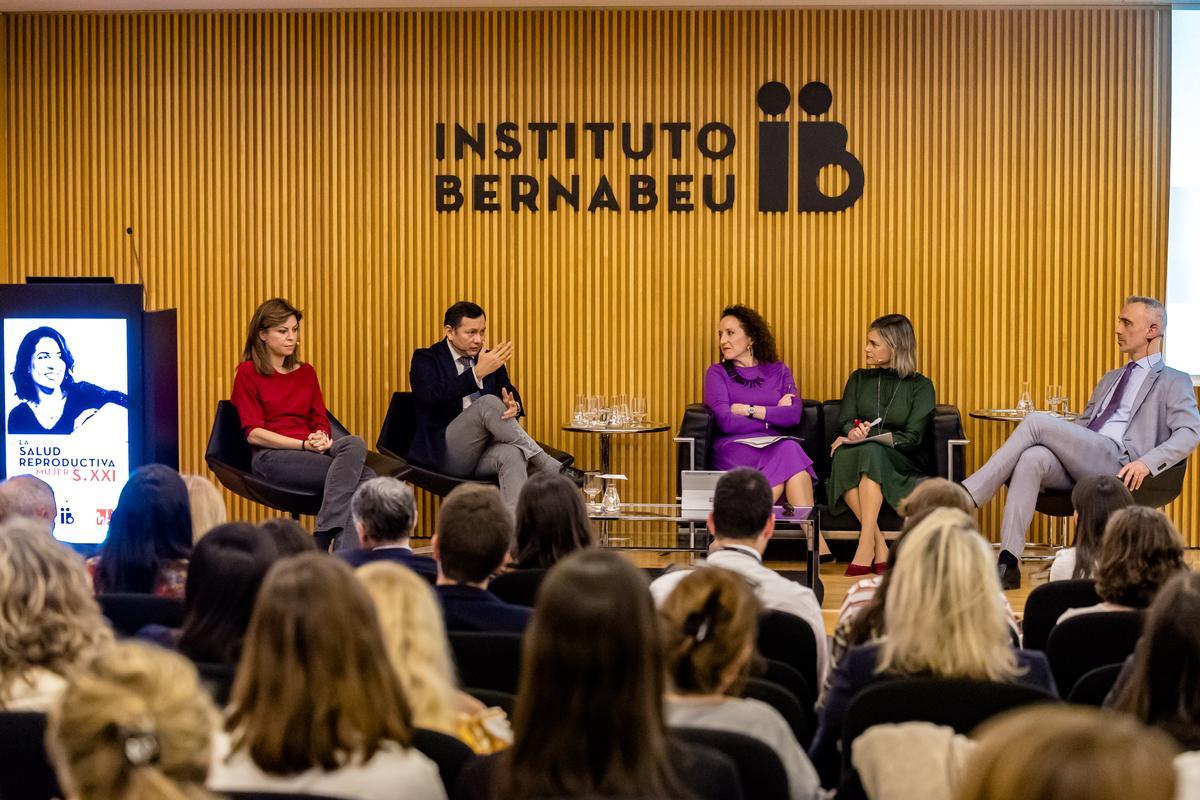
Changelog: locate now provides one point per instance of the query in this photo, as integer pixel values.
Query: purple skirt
(778, 461)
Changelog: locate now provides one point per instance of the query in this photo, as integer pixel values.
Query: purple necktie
(1114, 402)
(466, 362)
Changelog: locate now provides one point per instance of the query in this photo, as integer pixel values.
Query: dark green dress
(906, 406)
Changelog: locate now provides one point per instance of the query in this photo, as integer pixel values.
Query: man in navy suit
(474, 533)
(467, 409)
(384, 511)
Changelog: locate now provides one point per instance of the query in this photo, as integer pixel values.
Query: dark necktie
(1114, 402)
(466, 362)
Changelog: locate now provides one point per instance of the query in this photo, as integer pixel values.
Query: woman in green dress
(864, 475)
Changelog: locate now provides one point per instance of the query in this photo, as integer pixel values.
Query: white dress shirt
(1115, 427)
(775, 592)
(458, 365)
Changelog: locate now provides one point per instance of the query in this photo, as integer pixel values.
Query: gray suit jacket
(1164, 425)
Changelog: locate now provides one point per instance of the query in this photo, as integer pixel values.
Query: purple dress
(778, 461)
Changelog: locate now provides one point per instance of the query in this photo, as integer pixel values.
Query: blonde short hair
(1068, 753)
(897, 331)
(49, 618)
(945, 612)
(136, 726)
(415, 639)
(207, 505)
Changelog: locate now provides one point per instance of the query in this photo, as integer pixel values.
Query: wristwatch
(750, 411)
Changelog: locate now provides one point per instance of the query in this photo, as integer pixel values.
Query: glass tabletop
(647, 427)
(1013, 415)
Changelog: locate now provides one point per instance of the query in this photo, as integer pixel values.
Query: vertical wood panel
(1016, 190)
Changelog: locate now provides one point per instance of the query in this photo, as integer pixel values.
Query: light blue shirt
(1119, 421)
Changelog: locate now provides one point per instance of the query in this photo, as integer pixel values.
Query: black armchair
(228, 456)
(395, 439)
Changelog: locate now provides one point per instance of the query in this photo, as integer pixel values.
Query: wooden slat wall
(1016, 189)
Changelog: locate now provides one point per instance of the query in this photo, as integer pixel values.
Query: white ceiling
(294, 5)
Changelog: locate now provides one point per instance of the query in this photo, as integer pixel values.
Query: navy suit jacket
(467, 608)
(439, 390)
(855, 672)
(422, 565)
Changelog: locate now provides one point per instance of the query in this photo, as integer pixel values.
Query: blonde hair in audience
(934, 493)
(415, 638)
(136, 726)
(1068, 753)
(49, 618)
(709, 624)
(945, 613)
(208, 507)
(314, 687)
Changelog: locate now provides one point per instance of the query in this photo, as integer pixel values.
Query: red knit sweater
(289, 404)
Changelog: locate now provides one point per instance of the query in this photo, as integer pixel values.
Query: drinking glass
(639, 410)
(620, 410)
(612, 501)
(1025, 401)
(581, 410)
(591, 490)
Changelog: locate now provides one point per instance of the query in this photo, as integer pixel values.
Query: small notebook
(883, 438)
(765, 441)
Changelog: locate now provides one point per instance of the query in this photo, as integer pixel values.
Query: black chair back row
(788, 639)
(1096, 639)
(759, 768)
(129, 612)
(1046, 603)
(487, 660)
(25, 770)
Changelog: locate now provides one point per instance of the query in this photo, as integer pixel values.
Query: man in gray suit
(1140, 420)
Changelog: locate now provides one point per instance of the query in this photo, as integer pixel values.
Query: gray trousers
(1044, 452)
(337, 472)
(481, 445)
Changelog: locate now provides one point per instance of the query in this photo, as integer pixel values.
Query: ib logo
(821, 144)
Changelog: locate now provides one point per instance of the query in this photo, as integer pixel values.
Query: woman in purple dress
(752, 394)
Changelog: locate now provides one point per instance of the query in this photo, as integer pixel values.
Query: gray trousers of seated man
(1044, 452)
(336, 473)
(481, 445)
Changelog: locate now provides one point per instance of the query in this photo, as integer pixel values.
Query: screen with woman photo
(66, 412)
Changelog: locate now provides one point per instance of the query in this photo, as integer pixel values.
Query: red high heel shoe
(858, 570)
(879, 567)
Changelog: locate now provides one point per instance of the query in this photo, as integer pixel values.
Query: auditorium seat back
(519, 587)
(1046, 603)
(25, 770)
(787, 638)
(802, 721)
(1080, 644)
(129, 612)
(759, 768)
(487, 660)
(448, 753)
(1093, 687)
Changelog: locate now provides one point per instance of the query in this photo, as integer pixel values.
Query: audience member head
(551, 521)
(1164, 688)
(946, 573)
(227, 568)
(384, 511)
(313, 687)
(473, 533)
(892, 342)
(710, 621)
(206, 504)
(275, 315)
(589, 715)
(743, 508)
(1050, 752)
(415, 638)
(28, 496)
(742, 328)
(1095, 500)
(150, 525)
(289, 536)
(934, 493)
(49, 619)
(1140, 551)
(136, 726)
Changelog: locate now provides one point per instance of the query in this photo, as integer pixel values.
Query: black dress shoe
(1010, 576)
(576, 476)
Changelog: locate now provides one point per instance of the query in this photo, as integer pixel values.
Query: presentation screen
(66, 411)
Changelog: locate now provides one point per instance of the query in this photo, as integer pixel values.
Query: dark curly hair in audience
(1095, 500)
(757, 329)
(1163, 688)
(551, 521)
(1141, 550)
(151, 524)
(709, 622)
(589, 715)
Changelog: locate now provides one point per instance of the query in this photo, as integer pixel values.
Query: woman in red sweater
(283, 417)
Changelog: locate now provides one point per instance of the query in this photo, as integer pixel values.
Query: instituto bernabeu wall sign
(818, 144)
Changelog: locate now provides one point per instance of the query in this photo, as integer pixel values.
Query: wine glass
(1025, 401)
(591, 490)
(581, 409)
(639, 410)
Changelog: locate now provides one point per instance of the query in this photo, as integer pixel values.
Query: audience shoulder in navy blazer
(467, 608)
(439, 389)
(422, 565)
(856, 670)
